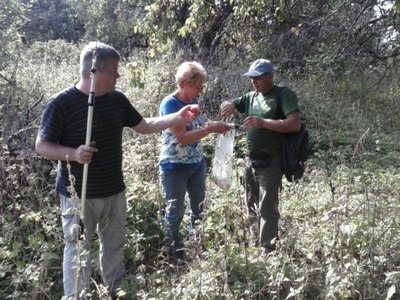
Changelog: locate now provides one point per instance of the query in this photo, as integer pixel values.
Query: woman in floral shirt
(182, 163)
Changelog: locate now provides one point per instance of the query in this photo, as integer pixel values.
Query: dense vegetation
(340, 226)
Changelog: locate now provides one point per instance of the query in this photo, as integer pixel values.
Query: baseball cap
(259, 67)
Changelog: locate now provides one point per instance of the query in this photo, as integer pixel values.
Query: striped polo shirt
(64, 121)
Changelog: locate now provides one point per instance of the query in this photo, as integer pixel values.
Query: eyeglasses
(113, 73)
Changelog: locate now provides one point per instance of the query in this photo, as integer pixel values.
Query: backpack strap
(278, 98)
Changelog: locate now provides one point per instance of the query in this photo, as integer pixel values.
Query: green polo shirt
(263, 142)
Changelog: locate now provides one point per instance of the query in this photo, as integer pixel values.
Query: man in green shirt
(265, 126)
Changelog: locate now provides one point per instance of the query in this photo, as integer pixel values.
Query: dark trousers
(262, 187)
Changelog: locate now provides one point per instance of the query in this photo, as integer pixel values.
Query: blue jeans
(175, 185)
(108, 216)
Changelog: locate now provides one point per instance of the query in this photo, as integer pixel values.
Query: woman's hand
(218, 127)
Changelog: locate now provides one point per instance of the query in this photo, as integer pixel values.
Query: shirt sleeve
(169, 105)
(132, 116)
(52, 123)
(241, 102)
(290, 102)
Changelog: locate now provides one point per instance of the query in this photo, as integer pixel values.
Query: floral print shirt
(173, 154)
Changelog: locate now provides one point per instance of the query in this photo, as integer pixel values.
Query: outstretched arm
(187, 137)
(157, 124)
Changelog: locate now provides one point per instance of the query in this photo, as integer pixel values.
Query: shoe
(266, 252)
(176, 254)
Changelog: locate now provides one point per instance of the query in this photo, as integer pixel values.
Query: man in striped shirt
(62, 136)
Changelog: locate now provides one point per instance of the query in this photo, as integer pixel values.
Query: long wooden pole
(91, 101)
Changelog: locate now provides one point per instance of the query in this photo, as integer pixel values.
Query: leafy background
(339, 228)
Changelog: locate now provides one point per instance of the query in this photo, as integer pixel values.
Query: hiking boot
(176, 254)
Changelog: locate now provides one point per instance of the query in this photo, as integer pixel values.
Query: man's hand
(189, 112)
(292, 123)
(226, 109)
(253, 122)
(83, 154)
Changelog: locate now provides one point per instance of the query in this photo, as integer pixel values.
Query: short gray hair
(103, 52)
(190, 71)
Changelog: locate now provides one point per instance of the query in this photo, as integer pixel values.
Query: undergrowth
(339, 225)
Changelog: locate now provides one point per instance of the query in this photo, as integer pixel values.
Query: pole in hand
(91, 101)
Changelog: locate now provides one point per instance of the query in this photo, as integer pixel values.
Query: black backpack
(295, 147)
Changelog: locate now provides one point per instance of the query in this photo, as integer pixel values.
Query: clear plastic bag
(222, 172)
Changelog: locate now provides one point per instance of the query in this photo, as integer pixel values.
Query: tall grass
(339, 227)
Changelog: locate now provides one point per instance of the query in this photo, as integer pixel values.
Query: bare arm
(53, 151)
(292, 123)
(187, 137)
(157, 124)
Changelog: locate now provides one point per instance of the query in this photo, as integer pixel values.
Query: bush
(339, 224)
